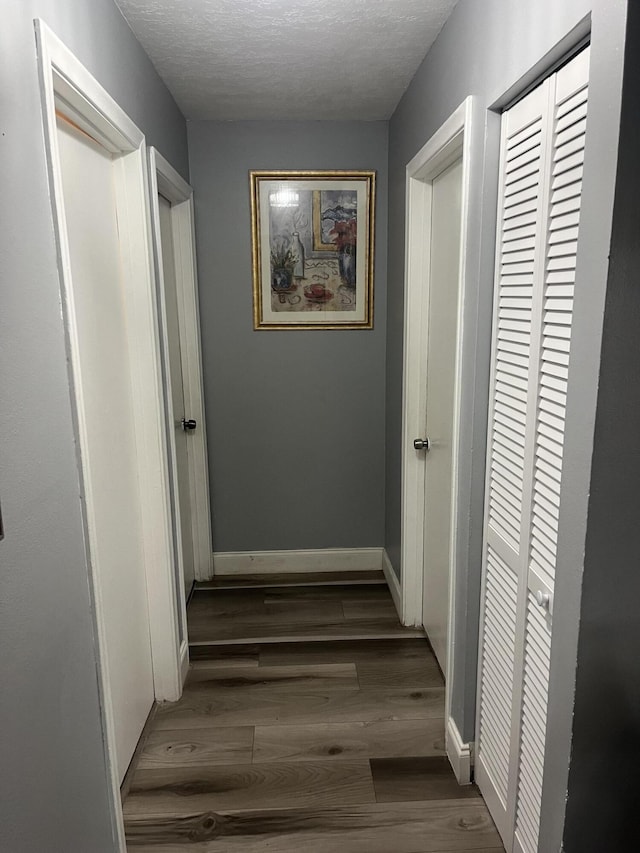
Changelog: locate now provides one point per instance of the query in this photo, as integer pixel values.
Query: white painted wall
(47, 668)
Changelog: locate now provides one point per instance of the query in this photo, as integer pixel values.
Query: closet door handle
(544, 600)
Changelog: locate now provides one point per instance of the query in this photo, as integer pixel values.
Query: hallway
(311, 719)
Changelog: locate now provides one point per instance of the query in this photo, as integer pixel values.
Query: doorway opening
(96, 159)
(177, 294)
(437, 193)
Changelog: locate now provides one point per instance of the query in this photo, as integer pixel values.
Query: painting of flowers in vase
(313, 249)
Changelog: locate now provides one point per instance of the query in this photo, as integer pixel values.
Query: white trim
(441, 150)
(450, 143)
(392, 582)
(151, 444)
(495, 804)
(53, 57)
(184, 660)
(169, 414)
(315, 560)
(68, 87)
(164, 179)
(459, 753)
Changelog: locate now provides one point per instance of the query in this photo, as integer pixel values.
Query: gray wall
(484, 50)
(295, 418)
(605, 87)
(602, 798)
(489, 49)
(53, 793)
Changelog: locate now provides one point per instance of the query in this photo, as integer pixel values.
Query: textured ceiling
(286, 59)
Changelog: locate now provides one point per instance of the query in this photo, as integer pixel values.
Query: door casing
(165, 180)
(441, 363)
(450, 143)
(68, 88)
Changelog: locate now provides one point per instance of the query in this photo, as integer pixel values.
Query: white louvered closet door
(568, 119)
(519, 261)
(538, 217)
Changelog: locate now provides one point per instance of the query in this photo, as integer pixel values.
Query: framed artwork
(312, 243)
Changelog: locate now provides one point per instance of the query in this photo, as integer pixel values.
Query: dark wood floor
(262, 612)
(311, 721)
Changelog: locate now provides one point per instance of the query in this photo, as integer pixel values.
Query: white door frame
(67, 87)
(164, 179)
(450, 143)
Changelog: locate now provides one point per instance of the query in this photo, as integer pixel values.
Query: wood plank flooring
(294, 613)
(311, 720)
(299, 579)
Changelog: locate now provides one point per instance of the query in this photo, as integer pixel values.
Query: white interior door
(108, 441)
(176, 380)
(543, 138)
(442, 346)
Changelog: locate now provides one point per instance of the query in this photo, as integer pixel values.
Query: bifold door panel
(539, 210)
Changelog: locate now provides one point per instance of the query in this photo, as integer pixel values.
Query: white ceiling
(286, 59)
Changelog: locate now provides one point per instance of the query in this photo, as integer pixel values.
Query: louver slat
(498, 657)
(513, 329)
(525, 146)
(533, 726)
(557, 315)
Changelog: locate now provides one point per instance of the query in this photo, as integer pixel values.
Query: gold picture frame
(313, 240)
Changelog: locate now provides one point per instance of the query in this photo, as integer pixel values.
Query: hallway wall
(53, 793)
(606, 722)
(295, 418)
(485, 49)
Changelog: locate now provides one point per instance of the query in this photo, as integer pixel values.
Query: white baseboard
(392, 582)
(320, 560)
(459, 753)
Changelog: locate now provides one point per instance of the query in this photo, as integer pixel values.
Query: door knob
(188, 424)
(421, 444)
(543, 600)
